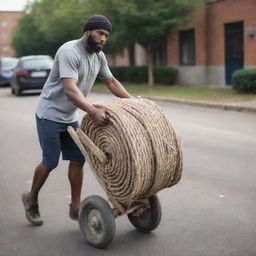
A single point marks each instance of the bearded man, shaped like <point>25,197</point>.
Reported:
<point>77,64</point>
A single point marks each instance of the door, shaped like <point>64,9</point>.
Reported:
<point>234,49</point>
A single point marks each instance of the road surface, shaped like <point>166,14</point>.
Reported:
<point>211,212</point>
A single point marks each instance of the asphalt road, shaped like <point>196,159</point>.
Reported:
<point>211,212</point>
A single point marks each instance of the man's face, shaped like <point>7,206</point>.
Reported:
<point>97,39</point>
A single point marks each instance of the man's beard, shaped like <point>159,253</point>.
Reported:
<point>93,45</point>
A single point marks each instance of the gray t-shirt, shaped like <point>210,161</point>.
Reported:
<point>71,61</point>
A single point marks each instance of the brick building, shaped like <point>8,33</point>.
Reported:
<point>8,20</point>
<point>221,39</point>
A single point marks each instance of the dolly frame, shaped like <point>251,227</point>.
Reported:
<point>83,142</point>
<point>96,217</point>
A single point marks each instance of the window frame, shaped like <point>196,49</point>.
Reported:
<point>184,37</point>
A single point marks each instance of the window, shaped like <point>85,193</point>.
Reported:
<point>3,35</point>
<point>3,23</point>
<point>187,47</point>
<point>5,47</point>
<point>160,54</point>
<point>34,63</point>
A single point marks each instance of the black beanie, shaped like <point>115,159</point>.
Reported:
<point>98,22</point>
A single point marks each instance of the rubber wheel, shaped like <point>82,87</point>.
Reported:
<point>97,222</point>
<point>17,92</point>
<point>150,219</point>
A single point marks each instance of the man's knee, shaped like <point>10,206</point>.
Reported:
<point>50,165</point>
<point>43,168</point>
<point>51,168</point>
<point>76,165</point>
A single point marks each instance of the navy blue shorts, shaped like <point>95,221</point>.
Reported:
<point>54,139</point>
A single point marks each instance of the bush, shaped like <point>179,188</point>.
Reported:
<point>130,74</point>
<point>244,80</point>
<point>165,75</point>
<point>134,74</point>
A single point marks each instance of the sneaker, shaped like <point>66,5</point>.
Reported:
<point>73,213</point>
<point>32,211</point>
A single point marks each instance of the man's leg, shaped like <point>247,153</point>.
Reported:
<point>49,138</point>
<point>30,199</point>
<point>75,175</point>
<point>72,153</point>
<point>40,176</point>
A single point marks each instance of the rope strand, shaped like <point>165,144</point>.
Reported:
<point>144,152</point>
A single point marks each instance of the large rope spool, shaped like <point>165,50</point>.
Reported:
<point>143,151</point>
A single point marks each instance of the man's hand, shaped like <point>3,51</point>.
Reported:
<point>101,116</point>
<point>78,99</point>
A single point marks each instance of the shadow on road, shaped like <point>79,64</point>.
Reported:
<point>123,242</point>
<point>7,93</point>
<point>25,94</point>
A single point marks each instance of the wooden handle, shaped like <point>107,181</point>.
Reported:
<point>81,140</point>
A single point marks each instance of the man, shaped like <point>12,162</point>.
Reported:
<point>76,66</point>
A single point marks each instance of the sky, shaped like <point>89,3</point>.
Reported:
<point>13,5</point>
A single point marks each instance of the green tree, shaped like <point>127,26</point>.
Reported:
<point>147,22</point>
<point>49,24</point>
<point>60,20</point>
<point>27,40</point>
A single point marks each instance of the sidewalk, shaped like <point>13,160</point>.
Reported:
<point>245,106</point>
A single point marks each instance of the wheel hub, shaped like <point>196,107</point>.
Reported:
<point>94,220</point>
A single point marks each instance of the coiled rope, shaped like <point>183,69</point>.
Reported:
<point>143,150</point>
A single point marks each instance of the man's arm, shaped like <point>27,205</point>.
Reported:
<point>78,99</point>
<point>116,88</point>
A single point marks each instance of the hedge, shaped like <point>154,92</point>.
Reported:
<point>134,74</point>
<point>244,80</point>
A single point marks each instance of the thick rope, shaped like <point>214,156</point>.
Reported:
<point>144,152</point>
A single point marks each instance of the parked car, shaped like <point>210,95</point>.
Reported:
<point>7,64</point>
<point>30,73</point>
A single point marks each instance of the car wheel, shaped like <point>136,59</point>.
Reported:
<point>17,92</point>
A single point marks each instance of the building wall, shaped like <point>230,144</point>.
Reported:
<point>122,59</point>
<point>226,12</point>
<point>8,20</point>
<point>119,59</point>
<point>210,41</point>
<point>140,55</point>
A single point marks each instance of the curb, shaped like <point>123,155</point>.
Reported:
<point>230,107</point>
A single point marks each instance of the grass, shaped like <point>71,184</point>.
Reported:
<point>209,94</point>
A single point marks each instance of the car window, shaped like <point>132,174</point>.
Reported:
<point>36,63</point>
<point>9,65</point>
